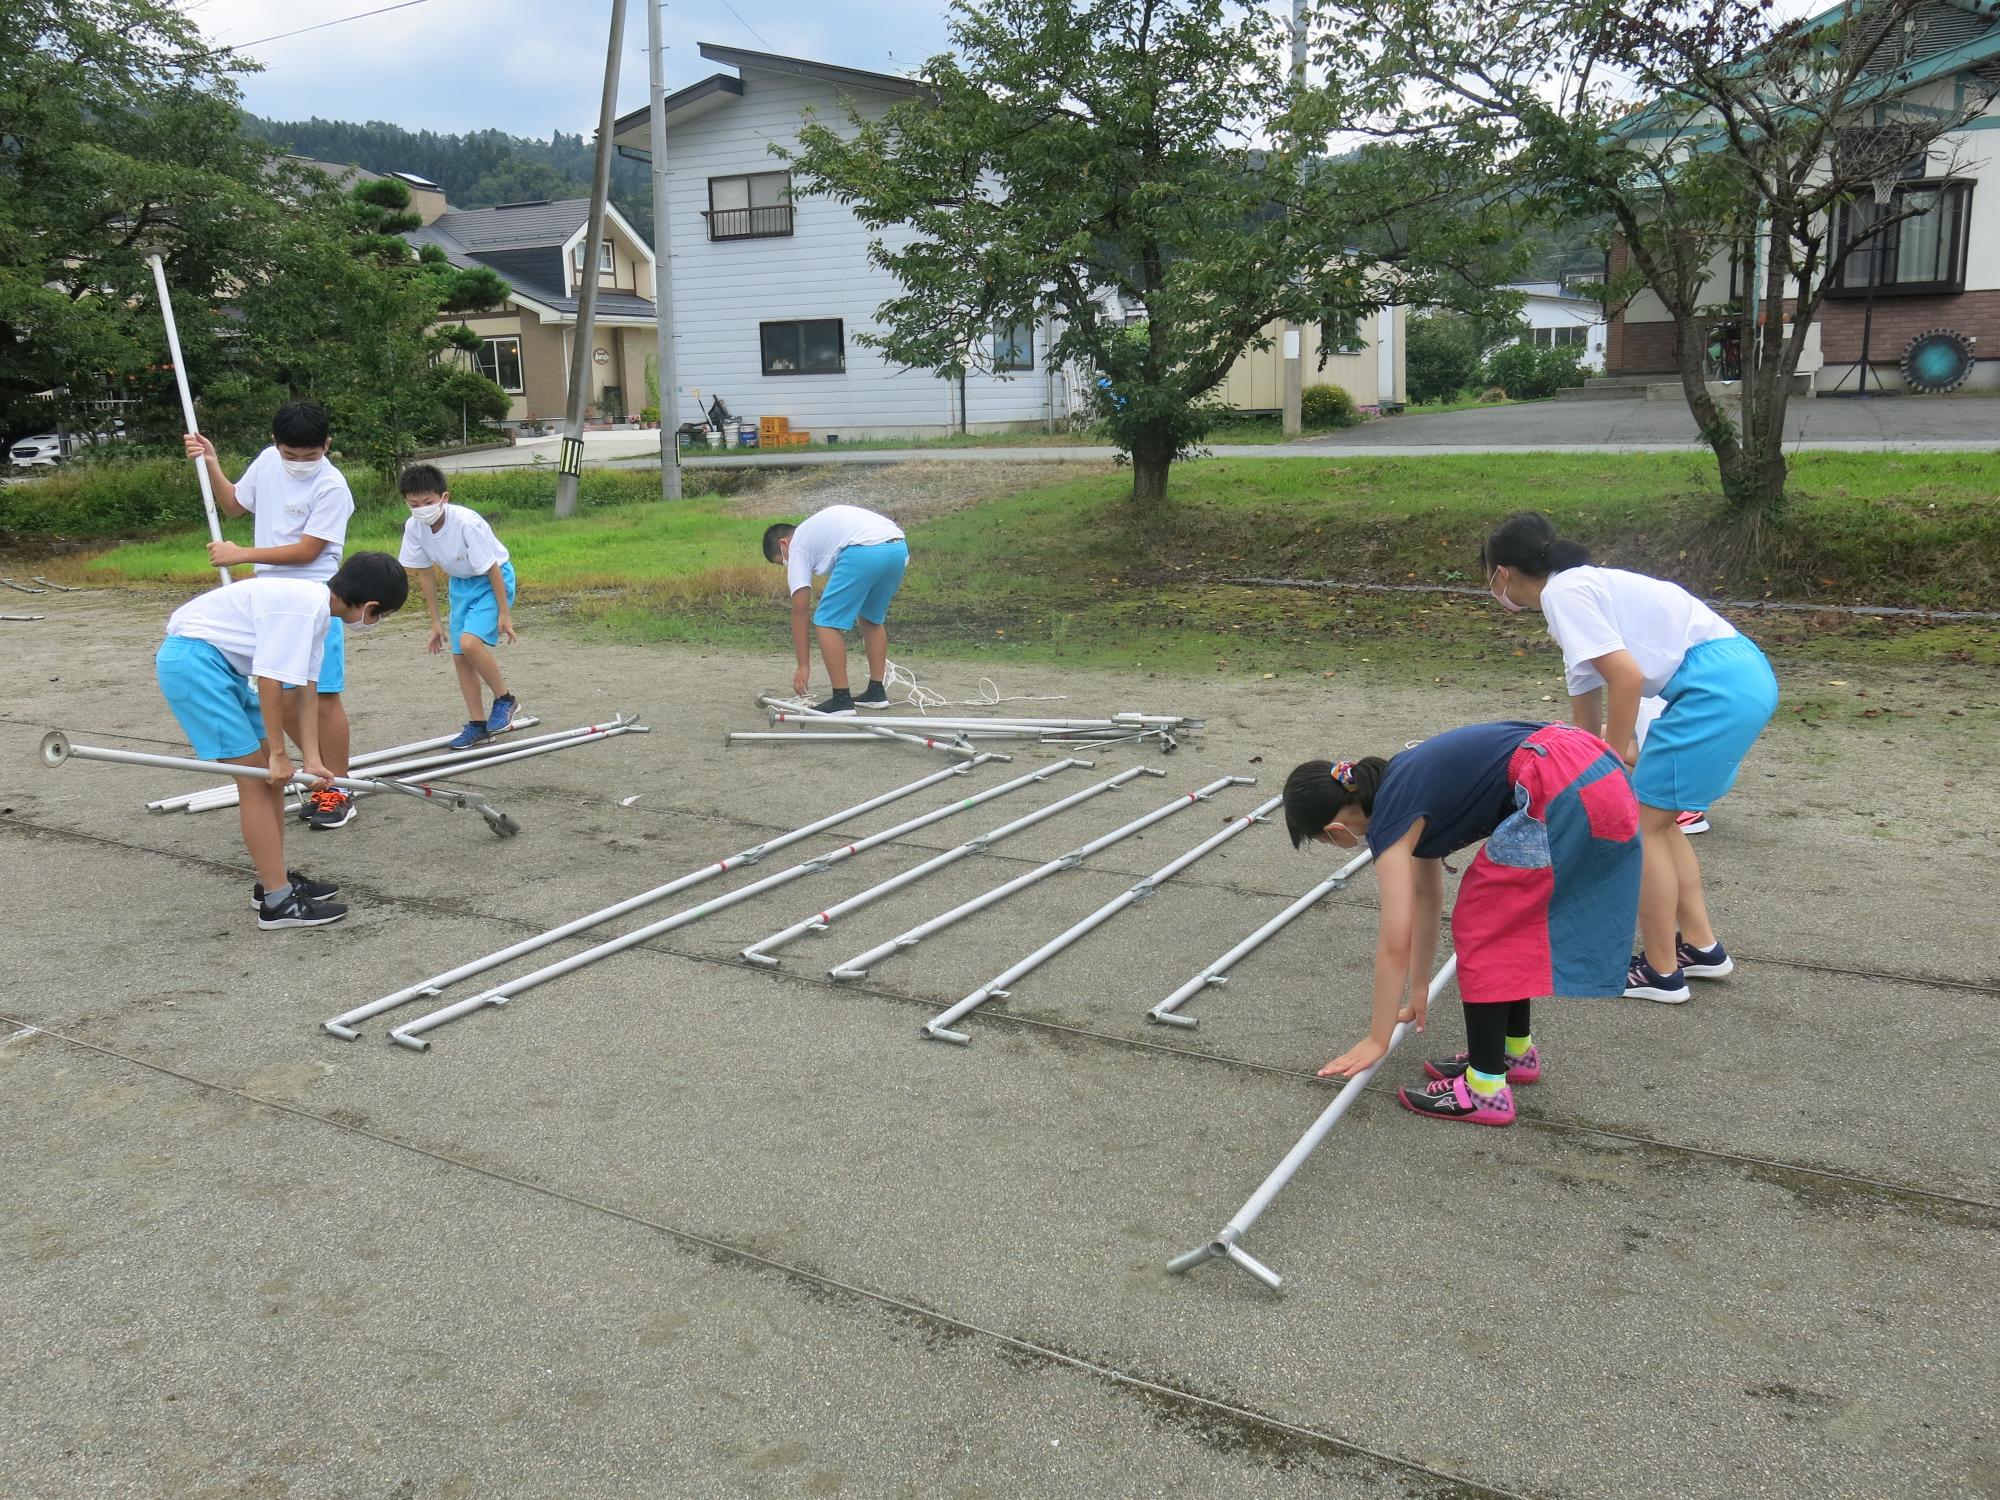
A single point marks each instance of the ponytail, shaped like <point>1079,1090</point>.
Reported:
<point>1317,792</point>
<point>1527,543</point>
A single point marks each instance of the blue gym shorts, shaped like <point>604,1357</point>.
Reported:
<point>1718,702</point>
<point>474,610</point>
<point>215,705</point>
<point>860,585</point>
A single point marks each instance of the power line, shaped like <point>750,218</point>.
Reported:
<point>339,21</point>
<point>747,26</point>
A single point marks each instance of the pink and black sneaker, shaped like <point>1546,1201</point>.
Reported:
<point>1527,1068</point>
<point>1453,1099</point>
<point>1691,822</point>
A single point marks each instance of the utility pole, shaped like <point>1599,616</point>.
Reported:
<point>569,470</point>
<point>663,266</point>
<point>1295,335</point>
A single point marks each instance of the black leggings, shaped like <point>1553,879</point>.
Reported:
<point>1487,1028</point>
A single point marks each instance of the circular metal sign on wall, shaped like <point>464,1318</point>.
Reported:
<point>1936,361</point>
<point>600,356</point>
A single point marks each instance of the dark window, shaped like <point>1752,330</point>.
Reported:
<point>1013,346</point>
<point>499,360</point>
<point>753,207</point>
<point>816,346</point>
<point>1557,338</point>
<point>1923,254</point>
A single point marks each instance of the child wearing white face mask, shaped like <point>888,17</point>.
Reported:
<point>480,578</point>
<point>300,505</point>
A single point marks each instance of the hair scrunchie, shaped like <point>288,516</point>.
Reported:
<point>1343,772</point>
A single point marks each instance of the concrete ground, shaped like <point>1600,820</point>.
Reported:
<point>672,1226</point>
<point>1875,424</point>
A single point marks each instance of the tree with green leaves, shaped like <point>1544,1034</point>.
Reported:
<point>1150,172</point>
<point>1719,141</point>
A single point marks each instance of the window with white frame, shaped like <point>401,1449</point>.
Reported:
<point>1557,338</point>
<point>499,360</point>
<point>1013,346</point>
<point>605,263</point>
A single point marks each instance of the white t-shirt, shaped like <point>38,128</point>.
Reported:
<point>463,544</point>
<point>264,627</point>
<point>1595,611</point>
<point>287,510</point>
<point>821,535</point>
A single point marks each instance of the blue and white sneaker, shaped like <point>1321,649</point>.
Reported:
<point>1702,963</point>
<point>504,709</point>
<point>475,730</point>
<point>1644,982</point>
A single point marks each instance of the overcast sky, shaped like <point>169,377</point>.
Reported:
<point>532,66</point>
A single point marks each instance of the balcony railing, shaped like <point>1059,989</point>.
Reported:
<point>750,223</point>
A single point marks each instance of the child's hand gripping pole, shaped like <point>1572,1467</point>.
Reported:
<point>187,399</point>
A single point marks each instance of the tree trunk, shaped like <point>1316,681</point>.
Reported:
<point>1151,457</point>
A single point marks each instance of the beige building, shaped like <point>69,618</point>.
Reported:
<point>1371,372</point>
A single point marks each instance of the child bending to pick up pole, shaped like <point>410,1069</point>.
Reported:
<point>1545,908</point>
<point>479,578</point>
<point>1624,637</point>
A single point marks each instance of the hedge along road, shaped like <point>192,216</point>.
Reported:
<point>679,1227</point>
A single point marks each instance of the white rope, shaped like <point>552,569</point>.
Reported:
<point>923,698</point>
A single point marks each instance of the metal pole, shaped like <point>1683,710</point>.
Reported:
<point>784,713</point>
<point>1225,1245</point>
<point>569,468</point>
<point>410,1033</point>
<point>880,732</point>
<point>21,588</point>
<point>56,748</point>
<point>1292,416</point>
<point>187,398</point>
<point>998,988</point>
<point>213,798</point>
<point>370,758</point>
<point>663,266</point>
<point>857,967</point>
<point>760,952</point>
<point>343,1025</point>
<point>1217,973</point>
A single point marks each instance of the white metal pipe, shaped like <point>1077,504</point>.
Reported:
<point>857,967</point>
<point>788,715</point>
<point>799,736</point>
<point>343,1025</point>
<point>1226,1245</point>
<point>471,758</point>
<point>760,952</point>
<point>410,1033</point>
<point>355,763</point>
<point>882,732</point>
<point>187,399</point>
<point>939,1026</point>
<point>1217,973</point>
<point>57,748</point>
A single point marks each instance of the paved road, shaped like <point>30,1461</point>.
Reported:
<point>673,1227</point>
<point>1885,424</point>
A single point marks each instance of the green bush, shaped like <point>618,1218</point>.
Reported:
<point>1327,406</point>
<point>1443,356</point>
<point>1530,372</point>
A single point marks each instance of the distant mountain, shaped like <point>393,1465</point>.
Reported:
<point>476,170</point>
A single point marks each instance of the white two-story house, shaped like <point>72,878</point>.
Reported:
<point>769,293</point>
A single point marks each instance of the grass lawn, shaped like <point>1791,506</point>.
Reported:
<point>1068,572</point>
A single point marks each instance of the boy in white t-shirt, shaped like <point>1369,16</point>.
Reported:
<point>479,576</point>
<point>301,506</point>
<point>863,556</point>
<point>228,657</point>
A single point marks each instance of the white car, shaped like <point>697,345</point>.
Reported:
<point>43,450</point>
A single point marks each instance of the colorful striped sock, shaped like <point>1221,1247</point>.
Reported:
<point>1486,1085</point>
<point>1517,1046</point>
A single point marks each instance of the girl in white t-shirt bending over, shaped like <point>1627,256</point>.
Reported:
<point>1625,637</point>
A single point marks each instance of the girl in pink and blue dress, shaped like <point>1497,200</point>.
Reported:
<point>1545,908</point>
<point>1625,637</point>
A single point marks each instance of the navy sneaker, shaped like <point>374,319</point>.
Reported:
<point>842,702</point>
<point>298,910</point>
<point>316,890</point>
<point>1644,982</point>
<point>475,730</point>
<point>504,709</point>
<point>1702,963</point>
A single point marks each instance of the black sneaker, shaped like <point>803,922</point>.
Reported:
<point>877,696</point>
<point>298,910</point>
<point>328,808</point>
<point>316,890</point>
<point>840,703</point>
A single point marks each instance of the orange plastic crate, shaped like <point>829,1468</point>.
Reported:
<point>770,427</point>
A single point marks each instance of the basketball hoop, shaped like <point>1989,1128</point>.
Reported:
<point>1878,155</point>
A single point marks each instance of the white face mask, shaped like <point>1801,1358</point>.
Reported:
<point>1500,594</point>
<point>428,515</point>
<point>302,468</point>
